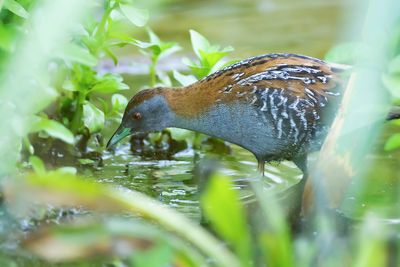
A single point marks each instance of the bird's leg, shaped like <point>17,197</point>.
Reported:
<point>261,166</point>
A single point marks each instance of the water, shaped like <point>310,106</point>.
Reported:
<point>175,182</point>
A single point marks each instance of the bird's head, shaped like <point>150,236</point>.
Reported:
<point>147,111</point>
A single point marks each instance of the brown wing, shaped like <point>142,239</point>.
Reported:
<point>295,75</point>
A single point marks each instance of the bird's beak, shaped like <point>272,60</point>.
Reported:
<point>119,134</point>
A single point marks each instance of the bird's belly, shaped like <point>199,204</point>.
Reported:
<point>248,128</point>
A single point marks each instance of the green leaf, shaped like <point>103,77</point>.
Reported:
<point>198,70</point>
<point>214,57</point>
<point>157,256</point>
<point>199,43</point>
<point>184,79</point>
<point>393,142</point>
<point>108,84</point>
<point>37,165</point>
<point>28,145</point>
<point>346,53</point>
<point>394,65</point>
<point>7,40</point>
<point>75,53</point>
<point>68,190</point>
<point>118,103</point>
<point>137,16</point>
<point>69,86</point>
<point>86,161</point>
<point>209,55</point>
<point>158,48</point>
<point>93,118</point>
<point>16,8</point>
<point>154,39</point>
<point>219,202</point>
<point>392,83</point>
<point>164,79</point>
<point>53,128</point>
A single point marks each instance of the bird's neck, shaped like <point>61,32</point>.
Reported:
<point>191,109</point>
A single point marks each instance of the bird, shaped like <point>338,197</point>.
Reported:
<point>277,106</point>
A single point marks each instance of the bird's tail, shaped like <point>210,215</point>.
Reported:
<point>394,113</point>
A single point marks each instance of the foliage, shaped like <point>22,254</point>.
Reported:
<point>209,59</point>
<point>124,226</point>
<point>67,190</point>
<point>156,49</point>
<point>348,53</point>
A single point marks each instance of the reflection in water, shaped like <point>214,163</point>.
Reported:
<point>173,181</point>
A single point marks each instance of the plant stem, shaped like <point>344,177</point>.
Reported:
<point>77,118</point>
<point>153,71</point>
<point>102,25</point>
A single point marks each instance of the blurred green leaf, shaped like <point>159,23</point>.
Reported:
<point>86,161</point>
<point>181,134</point>
<point>108,84</point>
<point>37,165</point>
<point>7,37</point>
<point>372,249</point>
<point>75,53</point>
<point>274,239</point>
<point>158,48</point>
<point>184,79</point>
<point>212,58</point>
<point>219,202</point>
<point>53,128</point>
<point>69,86</point>
<point>67,190</point>
<point>137,16</point>
<point>209,56</point>
<point>198,70</point>
<point>199,43</point>
<point>118,102</point>
<point>93,118</point>
<point>160,255</point>
<point>392,83</point>
<point>28,145</point>
<point>346,53</point>
<point>394,65</point>
<point>164,78</point>
<point>16,8</point>
<point>393,142</point>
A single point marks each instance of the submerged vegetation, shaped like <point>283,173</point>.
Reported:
<point>56,106</point>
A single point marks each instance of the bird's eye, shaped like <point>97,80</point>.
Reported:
<point>137,115</point>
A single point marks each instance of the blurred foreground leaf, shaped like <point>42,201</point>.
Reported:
<point>220,202</point>
<point>184,79</point>
<point>275,238</point>
<point>66,190</point>
<point>393,142</point>
<point>37,165</point>
<point>135,15</point>
<point>78,54</point>
<point>371,249</point>
<point>16,8</point>
<point>84,240</point>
